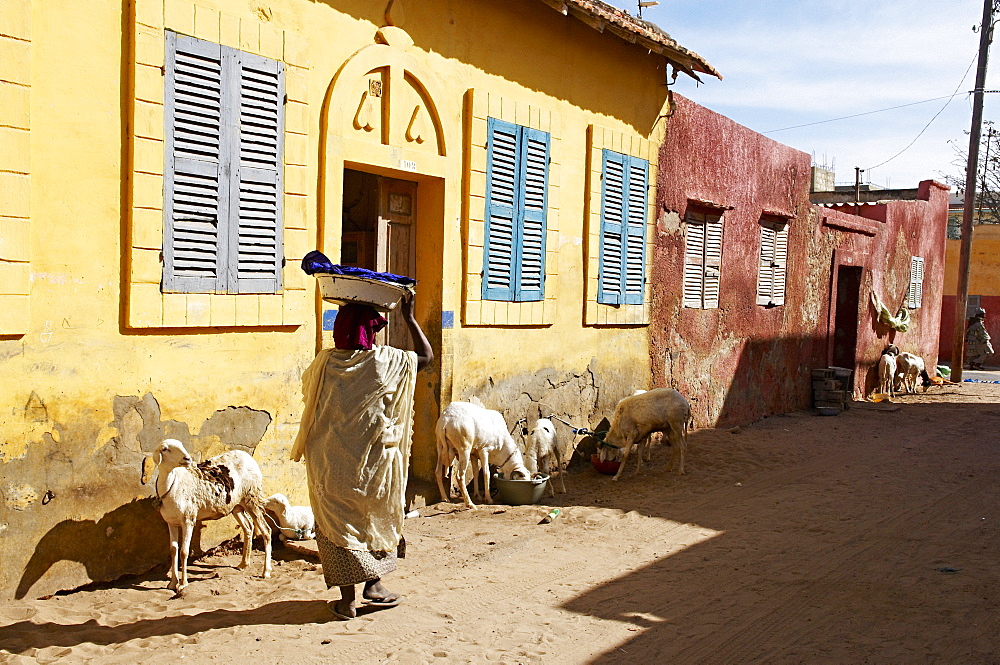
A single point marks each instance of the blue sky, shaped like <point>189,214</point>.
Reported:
<point>793,62</point>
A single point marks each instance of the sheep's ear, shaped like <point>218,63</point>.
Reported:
<point>148,464</point>
<point>157,456</point>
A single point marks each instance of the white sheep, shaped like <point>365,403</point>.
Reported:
<point>887,374</point>
<point>467,431</point>
<point>226,484</point>
<point>542,449</point>
<point>294,522</point>
<point>658,410</point>
<point>908,367</point>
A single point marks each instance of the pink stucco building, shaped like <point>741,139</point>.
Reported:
<point>755,284</point>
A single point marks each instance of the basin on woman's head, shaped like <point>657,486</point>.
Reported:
<point>347,289</point>
<point>521,492</point>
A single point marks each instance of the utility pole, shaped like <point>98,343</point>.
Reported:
<point>961,299</point>
<point>990,134</point>
<point>857,189</point>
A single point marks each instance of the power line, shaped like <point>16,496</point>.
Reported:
<point>856,115</point>
<point>940,111</point>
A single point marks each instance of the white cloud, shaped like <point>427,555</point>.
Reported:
<point>788,63</point>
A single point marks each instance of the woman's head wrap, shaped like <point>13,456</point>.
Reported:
<point>355,327</point>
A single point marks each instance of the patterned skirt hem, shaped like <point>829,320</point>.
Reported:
<point>344,567</point>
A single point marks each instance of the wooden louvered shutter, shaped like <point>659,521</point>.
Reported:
<point>916,295</point>
<point>780,266</point>
<point>256,236</point>
<point>635,231</point>
<point>713,263</point>
<point>610,276</point>
<point>195,186</point>
<point>530,268</point>
<point>765,268</point>
<point>771,269</point>
<point>502,198</point>
<point>694,260</point>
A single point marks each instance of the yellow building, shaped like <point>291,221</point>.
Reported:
<point>984,262</point>
<point>165,164</point>
<point>984,285</point>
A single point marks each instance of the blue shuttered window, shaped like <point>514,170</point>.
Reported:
<point>624,186</point>
<point>223,190</point>
<point>516,202</point>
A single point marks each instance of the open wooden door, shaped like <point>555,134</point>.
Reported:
<point>395,248</point>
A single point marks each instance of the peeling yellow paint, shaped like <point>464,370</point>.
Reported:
<point>103,438</point>
<point>20,435</point>
<point>19,496</point>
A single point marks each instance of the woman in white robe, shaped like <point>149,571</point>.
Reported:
<point>355,436</point>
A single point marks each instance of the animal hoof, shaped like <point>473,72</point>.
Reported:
<point>242,564</point>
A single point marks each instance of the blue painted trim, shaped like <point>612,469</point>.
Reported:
<point>631,297</point>
<point>498,293</point>
<point>329,316</point>
<point>604,296</point>
<point>521,292</point>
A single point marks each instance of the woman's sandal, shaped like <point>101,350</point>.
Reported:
<point>337,615</point>
<point>383,602</point>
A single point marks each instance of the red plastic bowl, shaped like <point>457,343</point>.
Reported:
<point>608,468</point>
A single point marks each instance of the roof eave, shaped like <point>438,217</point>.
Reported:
<point>601,16</point>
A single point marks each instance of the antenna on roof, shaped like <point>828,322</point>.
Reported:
<point>646,3</point>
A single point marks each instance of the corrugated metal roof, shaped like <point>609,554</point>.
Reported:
<point>851,204</point>
<point>601,16</point>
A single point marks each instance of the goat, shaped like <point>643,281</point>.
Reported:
<point>890,350</point>
<point>226,484</point>
<point>542,449</point>
<point>467,431</point>
<point>887,374</point>
<point>295,520</point>
<point>658,410</point>
<point>908,368</point>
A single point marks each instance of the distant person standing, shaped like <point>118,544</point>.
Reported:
<point>977,340</point>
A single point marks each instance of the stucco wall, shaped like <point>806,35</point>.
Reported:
<point>984,281</point>
<point>992,306</point>
<point>106,365</point>
<point>984,262</point>
<point>901,229</point>
<point>743,361</point>
<point>739,362</point>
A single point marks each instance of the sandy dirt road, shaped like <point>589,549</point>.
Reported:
<point>871,537</point>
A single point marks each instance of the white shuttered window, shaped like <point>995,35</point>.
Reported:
<point>773,266</point>
<point>916,296</point>
<point>223,191</point>
<point>702,259</point>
